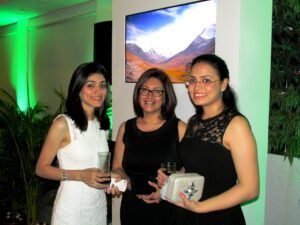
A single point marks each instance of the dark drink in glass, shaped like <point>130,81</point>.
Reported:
<point>169,167</point>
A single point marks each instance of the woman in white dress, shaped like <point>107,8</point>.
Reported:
<point>75,138</point>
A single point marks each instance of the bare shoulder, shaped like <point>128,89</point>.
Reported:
<point>60,124</point>
<point>58,134</point>
<point>181,129</point>
<point>122,127</point>
<point>121,131</point>
<point>59,130</point>
<point>238,130</point>
<point>239,123</point>
<point>181,124</point>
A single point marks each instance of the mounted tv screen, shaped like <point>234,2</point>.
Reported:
<point>169,38</point>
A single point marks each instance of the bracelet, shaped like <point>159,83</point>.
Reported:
<point>64,176</point>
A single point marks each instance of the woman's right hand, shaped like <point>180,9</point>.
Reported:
<point>161,177</point>
<point>94,178</point>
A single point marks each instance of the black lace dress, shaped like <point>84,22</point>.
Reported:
<point>144,152</point>
<point>201,151</point>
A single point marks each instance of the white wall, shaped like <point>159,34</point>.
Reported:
<point>243,39</point>
<point>123,94</point>
<point>283,195</point>
<point>227,46</point>
<point>254,86</point>
<point>56,50</point>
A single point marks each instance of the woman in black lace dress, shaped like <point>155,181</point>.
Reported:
<point>219,145</point>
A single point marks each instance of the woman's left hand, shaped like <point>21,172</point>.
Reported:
<point>154,197</point>
<point>114,191</point>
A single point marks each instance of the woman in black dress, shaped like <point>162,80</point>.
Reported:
<point>143,143</point>
<point>219,145</point>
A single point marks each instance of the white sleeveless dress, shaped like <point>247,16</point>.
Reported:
<point>76,203</point>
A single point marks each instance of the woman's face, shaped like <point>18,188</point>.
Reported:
<point>151,96</point>
<point>204,86</point>
<point>93,92</point>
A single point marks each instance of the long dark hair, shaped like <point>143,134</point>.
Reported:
<point>168,108</point>
<point>73,103</point>
<point>220,66</point>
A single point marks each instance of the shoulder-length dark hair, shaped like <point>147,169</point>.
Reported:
<point>168,107</point>
<point>220,66</point>
<point>73,102</point>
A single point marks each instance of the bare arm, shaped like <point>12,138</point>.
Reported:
<point>57,137</point>
<point>239,139</point>
<point>118,155</point>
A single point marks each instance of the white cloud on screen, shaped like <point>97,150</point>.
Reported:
<point>176,36</point>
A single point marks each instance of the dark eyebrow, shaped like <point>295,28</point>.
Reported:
<point>92,81</point>
<point>206,75</point>
<point>156,88</point>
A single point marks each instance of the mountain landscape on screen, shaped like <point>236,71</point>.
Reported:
<point>139,60</point>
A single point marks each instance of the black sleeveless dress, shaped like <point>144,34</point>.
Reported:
<point>201,151</point>
<point>144,152</point>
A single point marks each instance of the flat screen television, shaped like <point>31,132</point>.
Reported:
<point>169,38</point>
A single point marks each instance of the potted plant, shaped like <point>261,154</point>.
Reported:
<point>21,138</point>
<point>284,132</point>
<point>22,134</point>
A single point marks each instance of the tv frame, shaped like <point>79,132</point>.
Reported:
<point>139,58</point>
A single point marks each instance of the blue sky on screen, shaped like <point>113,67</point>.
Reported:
<point>172,29</point>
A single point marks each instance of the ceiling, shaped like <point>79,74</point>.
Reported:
<point>12,11</point>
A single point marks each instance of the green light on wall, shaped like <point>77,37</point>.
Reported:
<point>20,80</point>
<point>10,16</point>
<point>110,112</point>
<point>7,17</point>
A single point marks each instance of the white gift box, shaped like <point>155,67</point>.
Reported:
<point>191,184</point>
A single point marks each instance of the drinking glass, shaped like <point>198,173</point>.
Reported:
<point>104,163</point>
<point>168,167</point>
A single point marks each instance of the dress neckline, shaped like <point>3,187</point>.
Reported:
<point>225,109</point>
<point>152,131</point>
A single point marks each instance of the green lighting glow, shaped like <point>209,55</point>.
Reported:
<point>30,81</point>
<point>20,80</point>
<point>10,16</point>
<point>254,86</point>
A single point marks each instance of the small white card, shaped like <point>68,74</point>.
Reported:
<point>121,184</point>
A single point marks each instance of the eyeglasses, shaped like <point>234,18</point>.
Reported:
<point>205,81</point>
<point>155,92</point>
